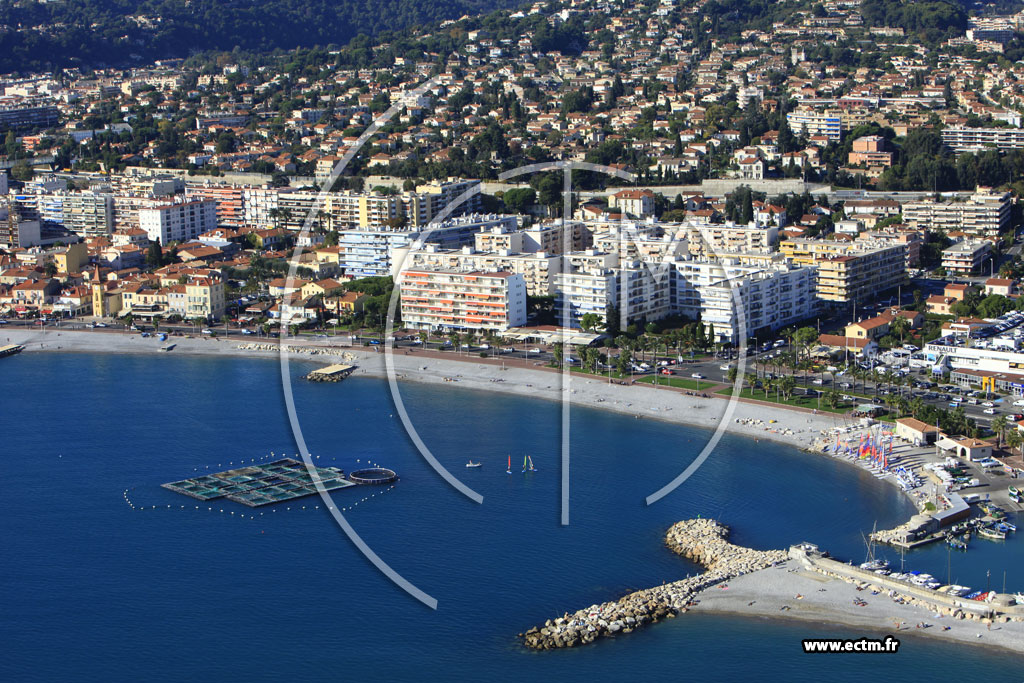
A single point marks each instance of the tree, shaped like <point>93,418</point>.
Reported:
<point>624,361</point>
<point>1014,439</point>
<point>900,326</point>
<point>999,428</point>
<point>611,316</point>
<point>559,354</point>
<point>590,322</point>
<point>154,254</point>
<point>805,337</point>
<point>50,269</point>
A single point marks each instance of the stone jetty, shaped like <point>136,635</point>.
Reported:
<point>307,350</point>
<point>700,540</point>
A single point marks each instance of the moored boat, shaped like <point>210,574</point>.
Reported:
<point>992,533</point>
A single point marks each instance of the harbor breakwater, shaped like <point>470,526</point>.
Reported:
<point>700,540</point>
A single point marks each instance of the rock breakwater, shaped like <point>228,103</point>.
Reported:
<point>701,540</point>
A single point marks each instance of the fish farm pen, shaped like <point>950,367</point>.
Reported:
<point>377,476</point>
<point>275,482</point>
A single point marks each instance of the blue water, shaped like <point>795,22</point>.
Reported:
<point>94,590</point>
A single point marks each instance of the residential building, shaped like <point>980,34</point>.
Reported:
<point>454,301</point>
<point>849,271</point>
<point>178,222</point>
<point>966,257</point>
<point>985,213</point>
<point>808,122</point>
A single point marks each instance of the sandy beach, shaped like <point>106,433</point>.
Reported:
<point>772,593</point>
<point>792,427</point>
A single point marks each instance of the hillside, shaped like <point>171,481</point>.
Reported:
<point>92,33</point>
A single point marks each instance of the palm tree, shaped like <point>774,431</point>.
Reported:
<point>999,427</point>
<point>900,326</point>
<point>1014,439</point>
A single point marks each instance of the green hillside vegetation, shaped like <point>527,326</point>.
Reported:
<point>96,33</point>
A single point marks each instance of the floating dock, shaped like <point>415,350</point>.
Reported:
<point>332,373</point>
<point>11,349</point>
<point>256,485</point>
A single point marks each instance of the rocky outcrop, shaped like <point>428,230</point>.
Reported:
<point>701,540</point>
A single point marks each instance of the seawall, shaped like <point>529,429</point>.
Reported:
<point>701,540</point>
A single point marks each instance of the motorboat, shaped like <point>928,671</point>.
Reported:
<point>473,464</point>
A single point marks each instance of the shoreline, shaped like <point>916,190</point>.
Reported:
<point>793,427</point>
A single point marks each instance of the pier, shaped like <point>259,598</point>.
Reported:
<point>701,540</point>
<point>10,350</point>
<point>332,373</point>
<point>274,482</point>
<point>765,573</point>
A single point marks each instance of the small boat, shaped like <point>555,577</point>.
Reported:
<point>992,533</point>
<point>1015,494</point>
<point>1005,527</point>
<point>169,347</point>
<point>956,543</point>
<point>473,464</point>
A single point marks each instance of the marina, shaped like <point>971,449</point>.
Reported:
<point>275,482</point>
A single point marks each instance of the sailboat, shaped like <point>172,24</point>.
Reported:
<point>530,460</point>
<point>525,457</point>
<point>509,470</point>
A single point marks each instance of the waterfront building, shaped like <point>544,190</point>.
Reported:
<point>455,301</point>
<point>538,269</point>
<point>723,293</point>
<point>849,271</point>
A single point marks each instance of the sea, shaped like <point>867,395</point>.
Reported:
<point>108,577</point>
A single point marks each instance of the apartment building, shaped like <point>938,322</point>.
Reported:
<point>15,115</point>
<point>178,222</point>
<point>732,298</point>
<point>547,238</point>
<point>457,301</point>
<point>709,240</point>
<point>230,201</point>
<point>849,271</point>
<point>967,257</point>
<point>964,139</point>
<point>808,122</point>
<point>985,213</point>
<point>538,269</point>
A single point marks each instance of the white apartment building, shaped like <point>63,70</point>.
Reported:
<point>453,301</point>
<point>808,122</point>
<point>966,257</point>
<point>178,222</point>
<point>964,139</point>
<point>984,214</point>
<point>729,296</point>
